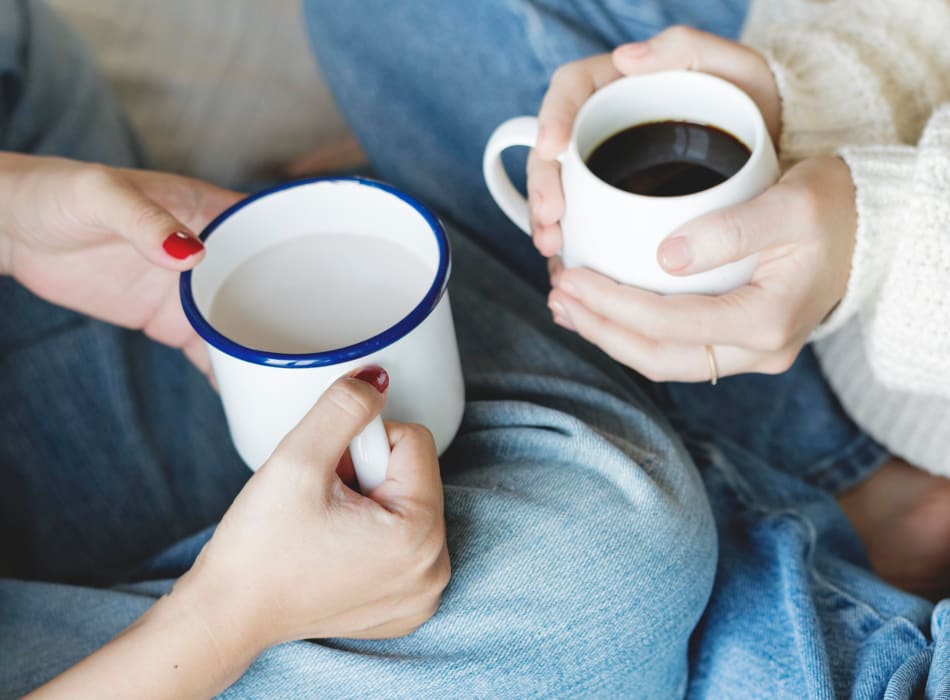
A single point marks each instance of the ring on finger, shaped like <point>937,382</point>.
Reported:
<point>713,365</point>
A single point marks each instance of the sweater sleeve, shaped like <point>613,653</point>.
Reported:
<point>900,279</point>
<point>853,72</point>
<point>866,79</point>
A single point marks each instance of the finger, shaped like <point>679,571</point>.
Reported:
<point>570,87</point>
<point>116,205</point>
<point>546,200</point>
<point>691,49</point>
<point>192,201</point>
<point>555,267</point>
<point>316,444</point>
<point>413,483</point>
<point>685,48</point>
<point>659,361</point>
<point>544,189</point>
<point>744,317</point>
<point>731,234</point>
<point>548,239</point>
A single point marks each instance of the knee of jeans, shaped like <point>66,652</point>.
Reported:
<point>632,570</point>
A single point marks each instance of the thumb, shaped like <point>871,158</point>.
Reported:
<point>158,236</point>
<point>727,235</point>
<point>318,441</point>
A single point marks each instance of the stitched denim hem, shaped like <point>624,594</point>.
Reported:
<point>853,464</point>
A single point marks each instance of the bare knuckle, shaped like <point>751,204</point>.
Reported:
<point>565,74</point>
<point>350,399</point>
<point>775,336</point>
<point>732,235</point>
<point>807,205</point>
<point>419,434</point>
<point>679,34</point>
<point>92,180</point>
<point>778,363</point>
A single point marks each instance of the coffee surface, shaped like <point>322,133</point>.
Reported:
<point>668,159</point>
<point>319,293</point>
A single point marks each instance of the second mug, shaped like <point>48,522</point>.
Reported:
<point>616,231</point>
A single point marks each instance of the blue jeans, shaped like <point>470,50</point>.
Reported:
<point>794,611</point>
<point>582,543</point>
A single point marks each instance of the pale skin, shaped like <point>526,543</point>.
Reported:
<point>303,554</point>
<point>803,229</point>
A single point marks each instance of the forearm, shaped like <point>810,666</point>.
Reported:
<point>188,645</point>
<point>17,172</point>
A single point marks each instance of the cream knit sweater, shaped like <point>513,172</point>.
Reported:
<point>870,80</point>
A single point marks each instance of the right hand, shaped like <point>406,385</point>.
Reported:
<point>573,83</point>
<point>107,242</point>
<point>301,555</point>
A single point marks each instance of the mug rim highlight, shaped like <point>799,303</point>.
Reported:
<point>603,94</point>
<point>365,347</point>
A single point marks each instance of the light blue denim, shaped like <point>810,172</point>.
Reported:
<point>794,612</point>
<point>582,543</point>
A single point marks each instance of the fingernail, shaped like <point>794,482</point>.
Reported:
<point>561,316</point>
<point>568,288</point>
<point>675,254</point>
<point>181,245</point>
<point>374,375</point>
<point>635,50</point>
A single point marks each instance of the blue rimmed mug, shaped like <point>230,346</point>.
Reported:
<point>265,394</point>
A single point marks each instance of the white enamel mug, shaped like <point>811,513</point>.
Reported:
<point>615,232</point>
<point>265,394</point>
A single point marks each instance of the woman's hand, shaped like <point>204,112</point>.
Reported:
<point>106,242</point>
<point>311,557</point>
<point>803,229</point>
<point>573,83</point>
<point>298,555</point>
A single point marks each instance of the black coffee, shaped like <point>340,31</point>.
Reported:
<point>668,159</point>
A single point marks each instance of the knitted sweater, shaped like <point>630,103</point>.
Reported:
<point>870,80</point>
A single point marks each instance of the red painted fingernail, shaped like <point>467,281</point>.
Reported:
<point>181,245</point>
<point>374,375</point>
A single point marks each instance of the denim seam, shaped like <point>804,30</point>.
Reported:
<point>839,472</point>
<point>750,504</point>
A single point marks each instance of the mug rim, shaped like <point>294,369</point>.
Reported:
<point>336,356</point>
<point>761,133</point>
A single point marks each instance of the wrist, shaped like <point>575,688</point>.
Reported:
<point>219,610</point>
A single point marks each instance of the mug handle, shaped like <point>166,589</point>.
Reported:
<point>520,131</point>
<point>370,453</point>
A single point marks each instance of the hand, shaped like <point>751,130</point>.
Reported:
<point>301,555</point>
<point>107,242</point>
<point>803,229</point>
<point>298,555</point>
<point>573,83</point>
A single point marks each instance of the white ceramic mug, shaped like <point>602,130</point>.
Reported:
<point>265,394</point>
<point>616,232</point>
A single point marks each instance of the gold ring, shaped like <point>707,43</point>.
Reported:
<point>713,367</point>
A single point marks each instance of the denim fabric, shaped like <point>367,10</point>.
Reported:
<point>794,612</point>
<point>424,83</point>
<point>582,543</point>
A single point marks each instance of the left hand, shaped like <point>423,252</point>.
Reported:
<point>107,242</point>
<point>803,229</point>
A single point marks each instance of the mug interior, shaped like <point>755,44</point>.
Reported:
<point>667,96</point>
<point>319,206</point>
